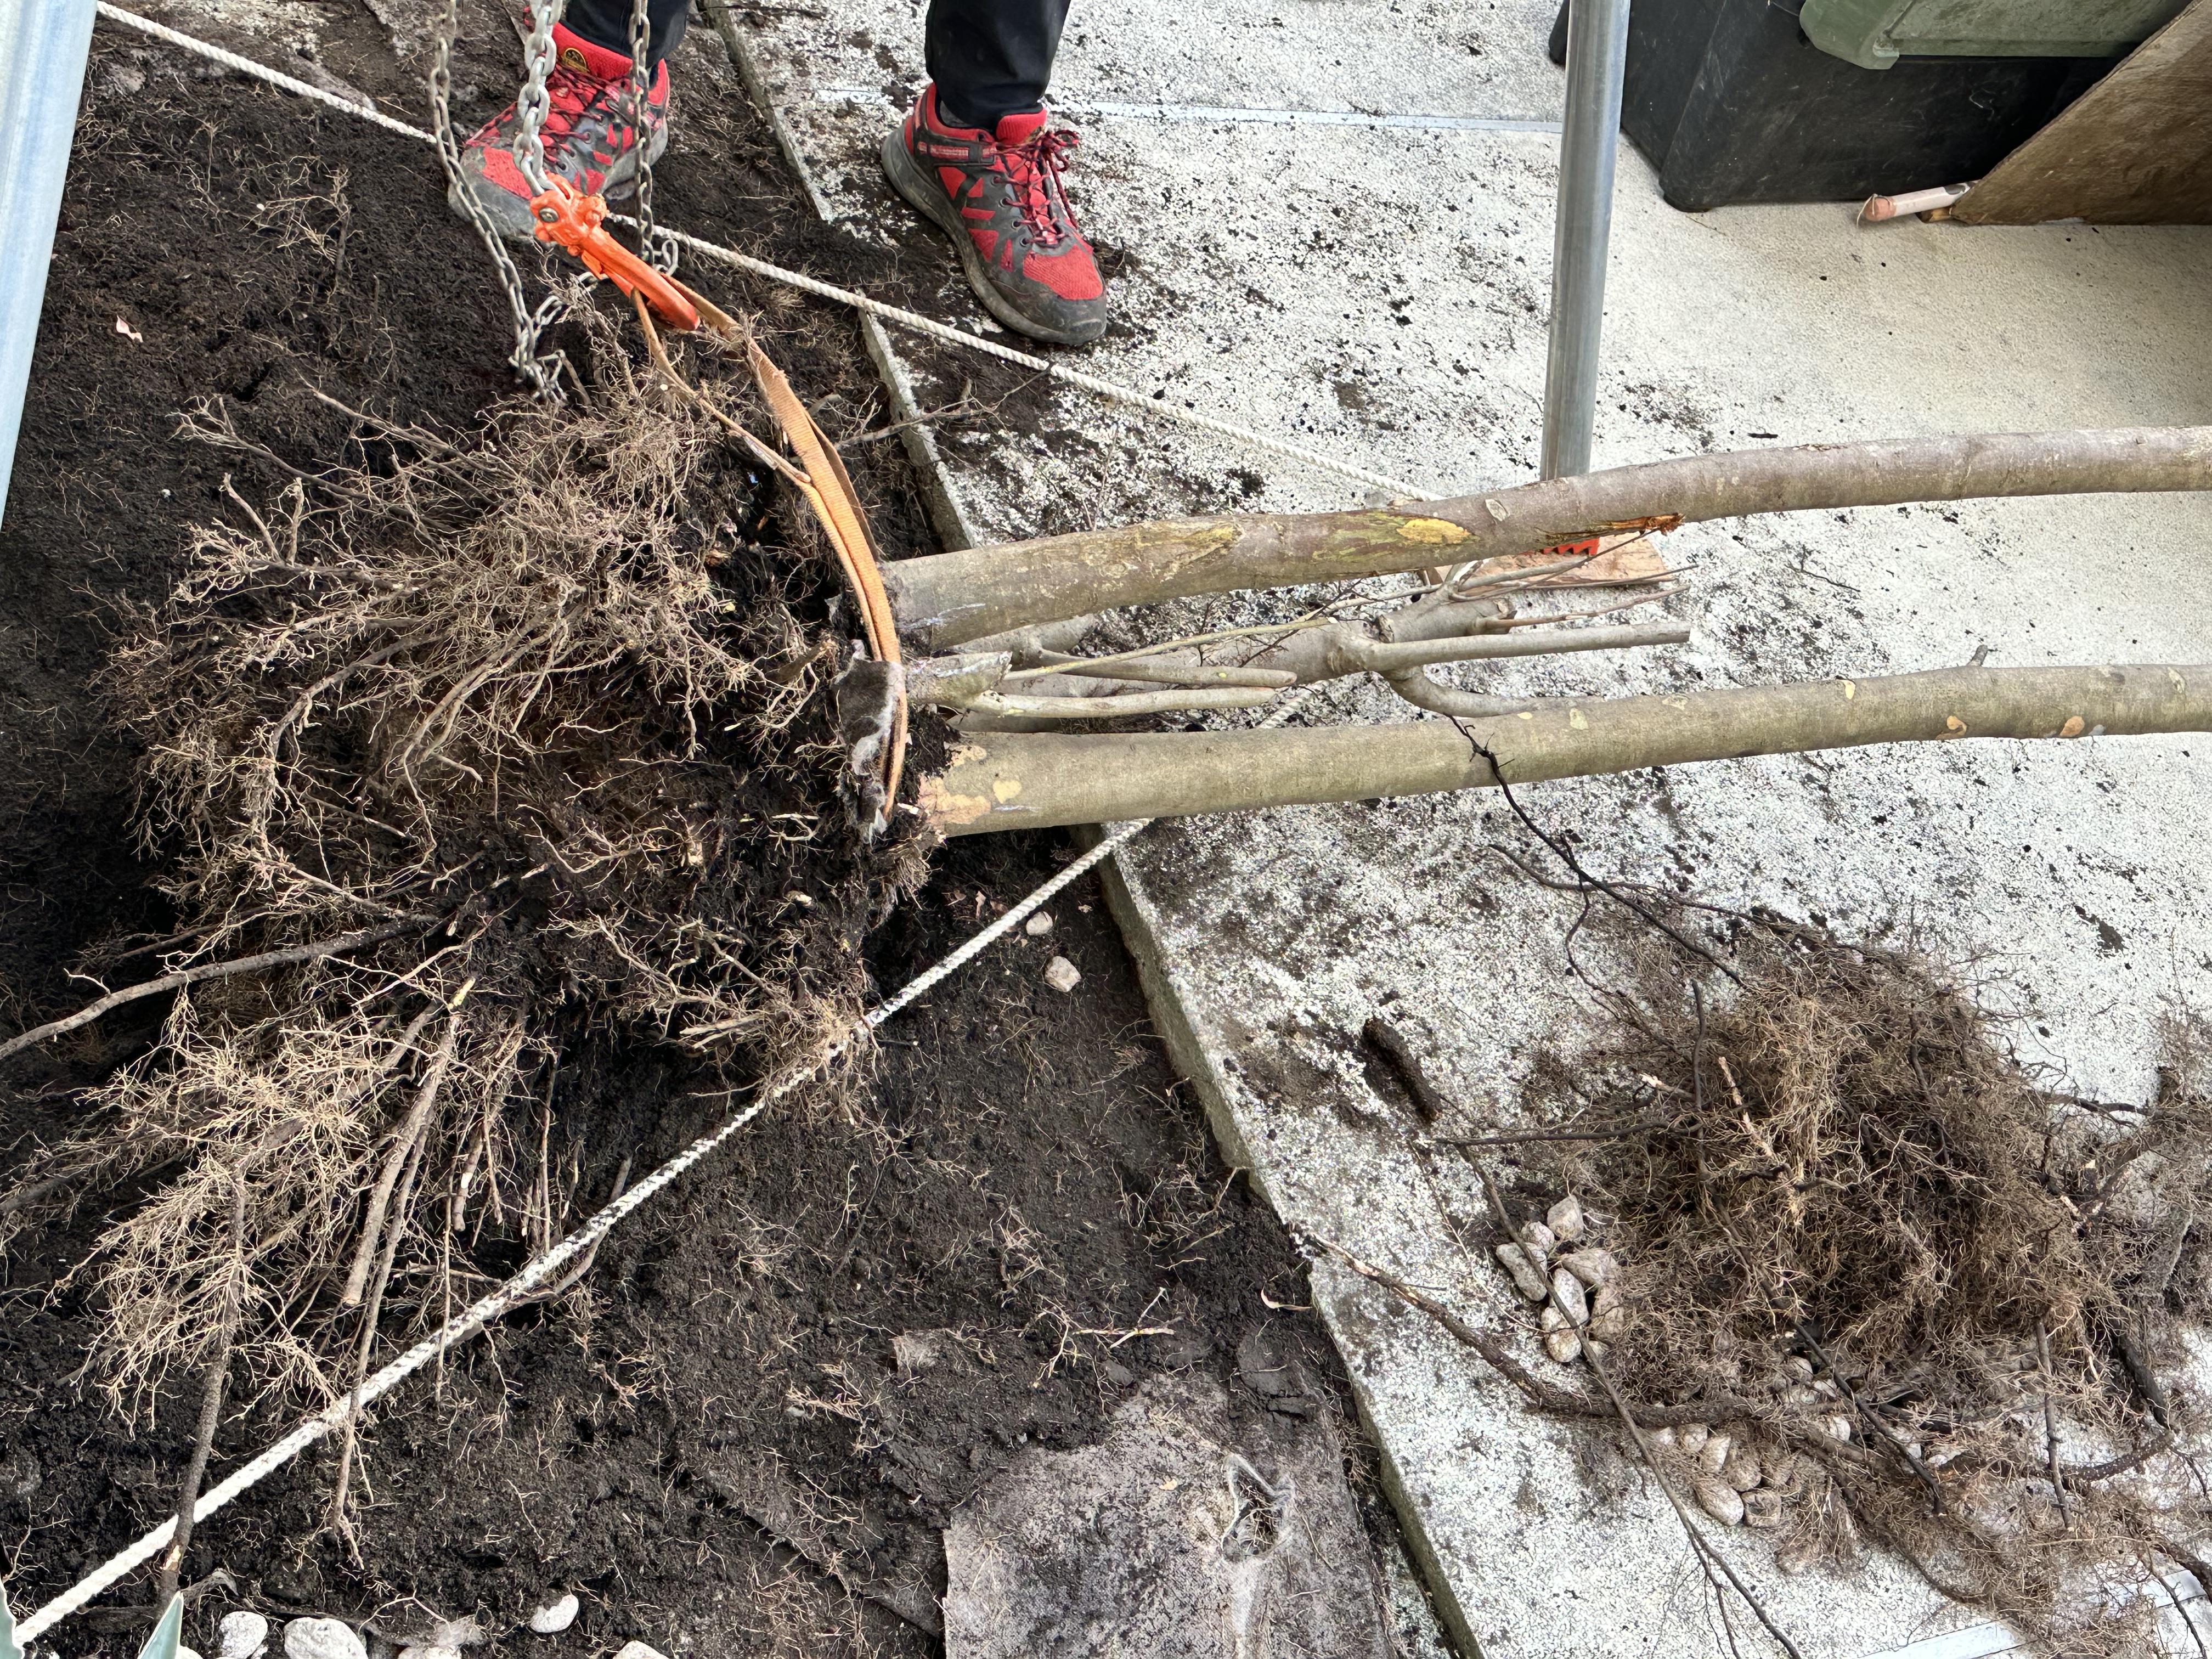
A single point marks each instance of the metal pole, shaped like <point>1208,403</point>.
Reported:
<point>43,47</point>
<point>1597,62</point>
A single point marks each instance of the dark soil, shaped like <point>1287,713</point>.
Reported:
<point>714,1441</point>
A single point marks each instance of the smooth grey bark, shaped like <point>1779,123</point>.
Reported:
<point>998,781</point>
<point>949,599</point>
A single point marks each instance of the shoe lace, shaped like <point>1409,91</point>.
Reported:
<point>575,94</point>
<point>1033,167</point>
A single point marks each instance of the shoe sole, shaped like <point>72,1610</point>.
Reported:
<point>921,194</point>
<point>619,185</point>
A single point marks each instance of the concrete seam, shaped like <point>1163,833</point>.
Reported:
<point>1133,912</point>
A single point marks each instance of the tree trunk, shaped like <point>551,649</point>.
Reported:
<point>1023,780</point>
<point>951,598</point>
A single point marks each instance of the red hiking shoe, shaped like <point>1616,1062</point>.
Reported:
<point>998,196</point>
<point>587,137</point>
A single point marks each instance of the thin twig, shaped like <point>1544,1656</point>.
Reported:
<point>211,1388</point>
<point>1565,855</point>
<point>2051,1428</point>
<point>336,1517</point>
<point>2180,1606</point>
<point>404,1142</point>
<point>153,988</point>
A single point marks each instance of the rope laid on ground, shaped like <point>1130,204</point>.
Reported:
<point>546,1267</point>
<point>1112,392</point>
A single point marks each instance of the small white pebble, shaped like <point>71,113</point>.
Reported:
<point>1038,925</point>
<point>1839,1427</point>
<point>434,1651</point>
<point>1526,1278</point>
<point>639,1650</point>
<point>1719,1500</point>
<point>242,1636</point>
<point>1714,1453</point>
<point>1567,1292</point>
<point>322,1638</point>
<point>1563,1346</point>
<point>1661,1437</point>
<point>1564,1219</point>
<point>1593,1267</point>
<point>1060,974</point>
<point>552,1620</point>
<point>1691,1437</point>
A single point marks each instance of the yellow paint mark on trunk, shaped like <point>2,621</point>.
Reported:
<point>1006,788</point>
<point>2073,728</point>
<point>1851,689</point>
<point>1431,532</point>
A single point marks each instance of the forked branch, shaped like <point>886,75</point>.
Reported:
<point>951,598</point>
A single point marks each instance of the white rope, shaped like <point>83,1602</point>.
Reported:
<point>477,1318</point>
<point>262,71</point>
<point>913,321</point>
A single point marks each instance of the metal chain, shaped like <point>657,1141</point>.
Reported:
<point>533,102</point>
<point>659,251</point>
<point>540,369</point>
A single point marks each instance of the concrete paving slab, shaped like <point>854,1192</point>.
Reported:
<point>1381,291</point>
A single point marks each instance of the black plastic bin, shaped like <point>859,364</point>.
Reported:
<point>1731,103</point>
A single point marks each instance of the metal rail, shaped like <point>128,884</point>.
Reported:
<point>1597,61</point>
<point>43,47</point>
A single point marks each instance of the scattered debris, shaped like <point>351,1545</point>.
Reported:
<point>1060,974</point>
<point>1038,925</point>
<point>125,329</point>
<point>638,1651</point>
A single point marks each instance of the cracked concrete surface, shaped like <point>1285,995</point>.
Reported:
<point>1381,291</point>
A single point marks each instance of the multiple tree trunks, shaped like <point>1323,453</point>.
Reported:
<point>950,598</point>
<point>996,780</point>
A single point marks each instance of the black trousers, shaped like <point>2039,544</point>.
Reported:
<point>988,57</point>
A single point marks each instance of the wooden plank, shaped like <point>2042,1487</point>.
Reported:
<point>2134,150</point>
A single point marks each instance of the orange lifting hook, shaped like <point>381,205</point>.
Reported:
<point>572,219</point>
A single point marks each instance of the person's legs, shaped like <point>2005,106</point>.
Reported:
<point>991,57</point>
<point>589,135</point>
<point>606,23</point>
<point>977,156</point>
